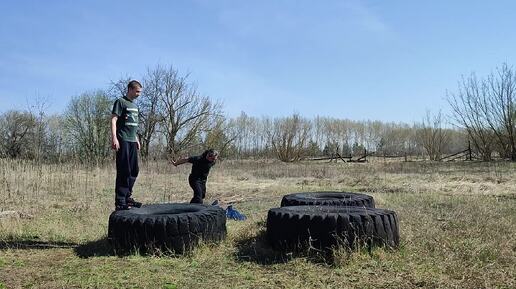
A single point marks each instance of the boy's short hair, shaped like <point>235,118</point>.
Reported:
<point>133,84</point>
<point>210,152</point>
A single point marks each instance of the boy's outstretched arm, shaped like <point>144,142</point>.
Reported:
<point>179,161</point>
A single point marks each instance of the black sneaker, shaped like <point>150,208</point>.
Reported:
<point>133,203</point>
<point>122,207</point>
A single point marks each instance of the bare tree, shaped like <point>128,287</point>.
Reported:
<point>118,88</point>
<point>486,109</point>
<point>336,135</point>
<point>148,104</point>
<point>289,136</point>
<point>468,105</point>
<point>55,135</point>
<point>16,133</point>
<point>432,136</point>
<point>220,135</point>
<point>87,119</point>
<point>250,137</point>
<point>499,109</point>
<point>389,138</point>
<point>240,127</point>
<point>37,107</point>
<point>183,112</point>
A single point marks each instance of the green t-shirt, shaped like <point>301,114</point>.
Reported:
<point>127,123</point>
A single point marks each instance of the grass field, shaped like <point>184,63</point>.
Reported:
<point>457,227</point>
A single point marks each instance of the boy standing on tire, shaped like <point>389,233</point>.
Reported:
<point>124,125</point>
<point>201,166</point>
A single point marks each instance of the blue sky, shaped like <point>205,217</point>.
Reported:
<point>361,60</point>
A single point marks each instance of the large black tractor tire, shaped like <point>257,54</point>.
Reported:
<point>173,228</point>
<point>324,227</point>
<point>328,199</point>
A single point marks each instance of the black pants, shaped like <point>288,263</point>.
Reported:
<point>199,189</point>
<point>126,171</point>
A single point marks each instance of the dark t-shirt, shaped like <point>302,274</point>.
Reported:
<point>200,167</point>
<point>127,122</point>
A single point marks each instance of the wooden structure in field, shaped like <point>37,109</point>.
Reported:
<point>466,154</point>
<point>347,159</point>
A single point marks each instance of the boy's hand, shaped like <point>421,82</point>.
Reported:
<point>115,144</point>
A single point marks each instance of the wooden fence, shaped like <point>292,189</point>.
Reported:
<point>465,155</point>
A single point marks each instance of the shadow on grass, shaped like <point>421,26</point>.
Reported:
<point>34,244</point>
<point>98,248</point>
<point>102,248</point>
<point>258,250</point>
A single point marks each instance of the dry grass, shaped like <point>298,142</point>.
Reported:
<point>457,225</point>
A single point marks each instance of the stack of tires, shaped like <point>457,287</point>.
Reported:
<point>173,228</point>
<point>328,219</point>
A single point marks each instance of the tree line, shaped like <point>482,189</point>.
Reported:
<point>176,119</point>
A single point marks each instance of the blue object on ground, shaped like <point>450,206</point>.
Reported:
<point>234,214</point>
